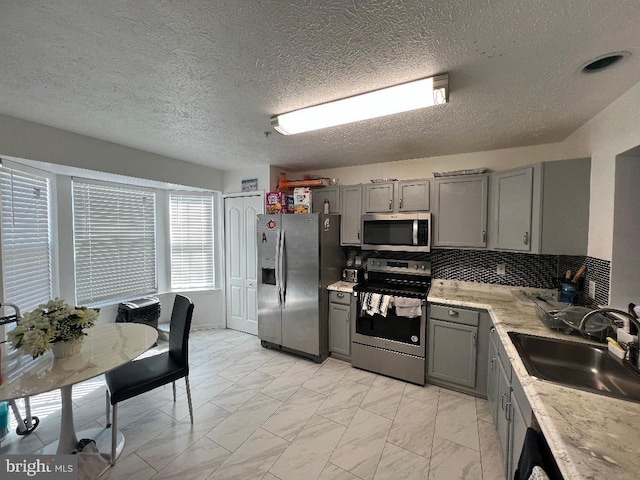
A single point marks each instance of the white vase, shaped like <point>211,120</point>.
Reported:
<point>67,348</point>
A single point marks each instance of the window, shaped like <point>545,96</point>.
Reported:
<point>114,229</point>
<point>191,224</point>
<point>26,239</point>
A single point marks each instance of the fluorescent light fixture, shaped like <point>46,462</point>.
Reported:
<point>421,93</point>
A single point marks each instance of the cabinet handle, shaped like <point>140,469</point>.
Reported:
<point>348,315</point>
<point>390,204</point>
<point>340,295</point>
<point>525,238</point>
<point>502,397</point>
<point>484,236</point>
<point>475,339</point>
<point>400,204</point>
<point>358,234</point>
<point>493,365</point>
<point>453,313</point>
<point>507,411</point>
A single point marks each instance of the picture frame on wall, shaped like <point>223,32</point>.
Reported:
<point>249,185</point>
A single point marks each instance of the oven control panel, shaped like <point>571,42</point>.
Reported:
<point>407,267</point>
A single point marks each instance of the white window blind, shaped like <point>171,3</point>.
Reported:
<point>26,239</point>
<point>191,225</point>
<point>114,230</point>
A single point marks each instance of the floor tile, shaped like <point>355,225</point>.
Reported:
<point>398,463</point>
<point>384,396</point>
<point>427,393</point>
<point>450,460</point>
<point>129,468</point>
<point>239,426</point>
<point>293,414</point>
<point>332,472</point>
<point>456,420</point>
<point>198,461</point>
<point>413,427</point>
<point>307,455</point>
<point>360,376</point>
<point>343,402</point>
<point>286,384</point>
<point>254,459</point>
<point>361,446</point>
<point>492,467</point>
<point>483,410</point>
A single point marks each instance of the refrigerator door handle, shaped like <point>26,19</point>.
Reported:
<point>278,254</point>
<point>283,269</point>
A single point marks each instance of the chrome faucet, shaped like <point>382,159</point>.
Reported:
<point>632,318</point>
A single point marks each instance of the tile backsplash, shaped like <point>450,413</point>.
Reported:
<point>521,269</point>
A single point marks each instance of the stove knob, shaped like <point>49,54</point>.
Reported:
<point>424,267</point>
<point>416,266</point>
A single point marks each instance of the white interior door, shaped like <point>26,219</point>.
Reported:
<point>241,262</point>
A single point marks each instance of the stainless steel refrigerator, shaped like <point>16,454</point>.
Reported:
<point>299,255</point>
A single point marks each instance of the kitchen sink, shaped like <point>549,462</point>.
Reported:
<point>578,365</point>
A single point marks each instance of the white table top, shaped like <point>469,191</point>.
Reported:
<point>105,348</point>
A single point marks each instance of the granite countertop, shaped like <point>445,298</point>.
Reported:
<point>591,435</point>
<point>342,286</point>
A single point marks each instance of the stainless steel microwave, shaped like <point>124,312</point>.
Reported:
<point>400,232</point>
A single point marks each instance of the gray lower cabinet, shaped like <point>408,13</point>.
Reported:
<point>458,348</point>
<point>460,211</point>
<point>351,211</point>
<point>509,406</point>
<point>340,305</point>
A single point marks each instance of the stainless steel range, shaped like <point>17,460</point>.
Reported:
<point>389,332</point>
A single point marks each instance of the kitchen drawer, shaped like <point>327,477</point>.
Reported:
<point>343,298</point>
<point>455,314</point>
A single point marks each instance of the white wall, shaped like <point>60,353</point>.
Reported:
<point>233,178</point>
<point>613,131</point>
<point>32,141</point>
<point>494,160</point>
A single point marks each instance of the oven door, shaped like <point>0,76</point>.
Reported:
<point>393,332</point>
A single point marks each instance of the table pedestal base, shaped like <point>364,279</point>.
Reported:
<point>102,436</point>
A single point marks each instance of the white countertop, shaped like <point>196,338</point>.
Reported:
<point>591,435</point>
<point>342,286</point>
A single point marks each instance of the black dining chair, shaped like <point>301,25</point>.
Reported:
<point>140,376</point>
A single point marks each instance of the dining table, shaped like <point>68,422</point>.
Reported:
<point>105,347</point>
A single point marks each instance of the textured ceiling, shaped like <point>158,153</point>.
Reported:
<point>199,80</point>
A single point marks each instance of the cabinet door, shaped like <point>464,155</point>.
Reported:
<point>413,195</point>
<point>492,377</point>
<point>460,211</point>
<point>452,352</point>
<point>350,223</point>
<point>519,426</point>
<point>512,194</point>
<point>326,193</point>
<point>339,329</point>
<point>502,420</point>
<point>378,197</point>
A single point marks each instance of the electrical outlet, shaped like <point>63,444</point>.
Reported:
<point>501,269</point>
<point>592,289</point>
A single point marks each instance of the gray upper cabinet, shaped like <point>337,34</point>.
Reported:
<point>413,195</point>
<point>460,211</point>
<point>543,208</point>
<point>351,211</point>
<point>397,196</point>
<point>378,197</point>
<point>319,195</point>
<point>512,197</point>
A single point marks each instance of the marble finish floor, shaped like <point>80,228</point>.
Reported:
<point>262,414</point>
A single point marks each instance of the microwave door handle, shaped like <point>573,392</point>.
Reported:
<point>415,232</point>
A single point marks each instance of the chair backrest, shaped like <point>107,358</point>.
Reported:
<point>179,330</point>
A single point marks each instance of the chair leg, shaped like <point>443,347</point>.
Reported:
<point>174,391</point>
<point>114,434</point>
<point>186,381</point>
<point>108,406</point>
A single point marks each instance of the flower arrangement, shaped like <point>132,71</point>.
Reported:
<point>54,321</point>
